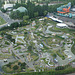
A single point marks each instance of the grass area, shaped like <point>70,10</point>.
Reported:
<point>20,39</point>
<point>18,48</point>
<point>34,57</point>
<point>60,55</point>
<point>11,67</point>
<point>2,21</point>
<point>65,30</point>
<point>49,41</point>
<point>4,56</point>
<point>52,22</point>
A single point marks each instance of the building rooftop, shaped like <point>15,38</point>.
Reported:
<point>8,6</point>
<point>61,25</point>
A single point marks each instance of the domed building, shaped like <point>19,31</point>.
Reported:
<point>22,9</point>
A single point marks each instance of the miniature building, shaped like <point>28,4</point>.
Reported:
<point>61,25</point>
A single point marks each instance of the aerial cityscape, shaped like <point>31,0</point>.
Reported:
<point>37,37</point>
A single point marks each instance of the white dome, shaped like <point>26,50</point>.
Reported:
<point>61,25</point>
<point>22,9</point>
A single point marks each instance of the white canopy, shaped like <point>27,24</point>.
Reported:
<point>61,25</point>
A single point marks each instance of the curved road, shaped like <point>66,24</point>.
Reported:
<point>7,19</point>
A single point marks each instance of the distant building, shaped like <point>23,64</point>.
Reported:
<point>20,1</point>
<point>70,24</point>
<point>8,6</point>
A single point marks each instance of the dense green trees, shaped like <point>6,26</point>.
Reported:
<point>25,17</point>
<point>29,48</point>
<point>9,65</point>
<point>23,66</point>
<point>15,67</point>
<point>60,72</point>
<point>14,25</point>
<point>9,37</point>
<point>3,10</point>
<point>60,68</point>
<point>54,55</point>
<point>36,14</point>
<point>34,11</point>
<point>17,14</point>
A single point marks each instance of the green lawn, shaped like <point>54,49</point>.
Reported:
<point>2,21</point>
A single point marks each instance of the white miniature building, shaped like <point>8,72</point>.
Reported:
<point>61,25</point>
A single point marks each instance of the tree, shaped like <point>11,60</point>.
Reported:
<point>15,67</point>
<point>25,17</point>
<point>45,13</point>
<point>54,55</point>
<point>35,14</point>
<point>19,63</point>
<point>9,65</point>
<point>60,68</point>
<point>23,65</point>
<point>30,48</point>
<point>8,36</point>
<point>3,10</point>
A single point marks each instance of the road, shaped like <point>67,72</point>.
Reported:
<point>66,19</point>
<point>7,19</point>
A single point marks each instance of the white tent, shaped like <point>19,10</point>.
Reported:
<point>61,25</point>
